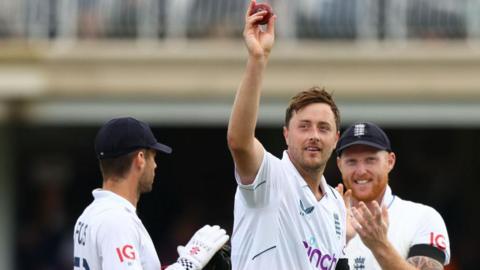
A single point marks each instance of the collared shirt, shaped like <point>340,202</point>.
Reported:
<point>279,224</point>
<point>109,235</point>
<point>414,229</point>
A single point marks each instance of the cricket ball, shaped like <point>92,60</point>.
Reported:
<point>261,7</point>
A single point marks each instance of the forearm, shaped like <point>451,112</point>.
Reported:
<point>243,119</point>
<point>389,259</point>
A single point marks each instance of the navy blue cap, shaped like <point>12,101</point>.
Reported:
<point>121,136</point>
<point>364,133</point>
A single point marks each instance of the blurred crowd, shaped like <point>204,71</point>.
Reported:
<point>307,19</point>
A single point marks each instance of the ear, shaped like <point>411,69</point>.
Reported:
<point>285,134</point>
<point>140,160</point>
<point>337,136</point>
<point>391,159</point>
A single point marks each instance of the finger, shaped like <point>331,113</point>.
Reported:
<point>249,9</point>
<point>255,18</point>
<point>339,188</point>
<point>365,211</point>
<point>180,250</point>
<point>347,197</point>
<point>271,25</point>
<point>356,225</point>
<point>366,214</point>
<point>222,240</point>
<point>357,216</point>
<point>385,215</point>
<point>203,231</point>
<point>377,212</point>
<point>218,235</point>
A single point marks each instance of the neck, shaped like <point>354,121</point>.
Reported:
<point>123,187</point>
<point>313,178</point>
<point>313,182</point>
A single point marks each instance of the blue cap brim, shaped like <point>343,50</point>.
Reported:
<point>162,148</point>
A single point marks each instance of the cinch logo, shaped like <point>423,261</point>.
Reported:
<point>320,260</point>
<point>305,210</point>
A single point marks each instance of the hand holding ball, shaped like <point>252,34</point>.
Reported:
<point>261,7</point>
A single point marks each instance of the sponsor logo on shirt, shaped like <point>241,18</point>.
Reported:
<point>321,260</point>
<point>438,240</point>
<point>359,263</point>
<point>127,252</point>
<point>305,210</point>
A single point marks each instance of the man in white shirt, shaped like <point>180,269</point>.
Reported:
<point>286,216</point>
<point>393,234</point>
<point>109,234</point>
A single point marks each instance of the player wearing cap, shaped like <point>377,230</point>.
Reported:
<point>109,234</point>
<point>392,233</point>
<point>286,216</point>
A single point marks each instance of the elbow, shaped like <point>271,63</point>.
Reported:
<point>236,144</point>
<point>233,142</point>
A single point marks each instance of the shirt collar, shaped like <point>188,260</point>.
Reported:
<point>102,194</point>
<point>301,181</point>
<point>388,197</point>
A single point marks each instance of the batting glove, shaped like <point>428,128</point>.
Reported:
<point>200,249</point>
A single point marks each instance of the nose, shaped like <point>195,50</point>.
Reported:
<point>314,135</point>
<point>360,169</point>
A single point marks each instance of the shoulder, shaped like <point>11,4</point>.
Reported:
<point>108,216</point>
<point>420,210</point>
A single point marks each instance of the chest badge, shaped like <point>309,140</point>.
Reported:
<point>338,229</point>
<point>359,263</point>
<point>305,210</point>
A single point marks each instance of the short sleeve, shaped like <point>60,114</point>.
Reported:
<point>432,232</point>
<point>118,242</point>
<point>259,193</point>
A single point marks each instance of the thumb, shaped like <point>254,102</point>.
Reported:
<point>339,188</point>
<point>181,250</point>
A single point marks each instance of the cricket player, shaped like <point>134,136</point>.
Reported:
<point>393,234</point>
<point>286,215</point>
<point>109,234</point>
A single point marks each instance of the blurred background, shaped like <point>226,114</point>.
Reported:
<point>67,66</point>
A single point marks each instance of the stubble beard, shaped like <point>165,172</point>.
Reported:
<point>144,185</point>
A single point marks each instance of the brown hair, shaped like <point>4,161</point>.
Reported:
<point>313,95</point>
<point>119,166</point>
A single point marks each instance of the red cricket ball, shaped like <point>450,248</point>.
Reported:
<point>261,7</point>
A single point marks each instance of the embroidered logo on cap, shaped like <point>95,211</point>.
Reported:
<point>359,130</point>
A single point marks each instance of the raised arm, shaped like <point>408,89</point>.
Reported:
<point>246,150</point>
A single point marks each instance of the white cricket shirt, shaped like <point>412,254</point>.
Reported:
<point>410,224</point>
<point>109,235</point>
<point>279,224</point>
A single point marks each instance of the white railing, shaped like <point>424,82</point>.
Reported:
<point>195,19</point>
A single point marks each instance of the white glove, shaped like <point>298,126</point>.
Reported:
<point>200,249</point>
